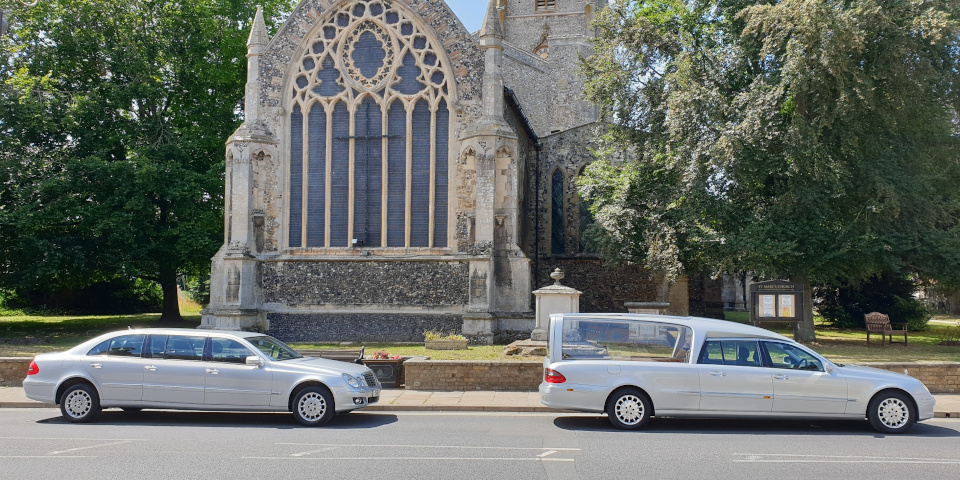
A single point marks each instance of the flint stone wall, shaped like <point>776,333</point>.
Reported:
<point>365,283</point>
<point>359,327</point>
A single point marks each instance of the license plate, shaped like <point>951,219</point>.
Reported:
<point>376,393</point>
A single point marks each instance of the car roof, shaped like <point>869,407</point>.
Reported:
<point>189,331</point>
<point>706,327</point>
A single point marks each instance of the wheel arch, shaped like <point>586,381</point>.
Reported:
<point>621,388</point>
<point>306,384</point>
<point>913,401</point>
<point>64,385</point>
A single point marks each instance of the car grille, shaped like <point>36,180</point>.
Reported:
<point>370,378</point>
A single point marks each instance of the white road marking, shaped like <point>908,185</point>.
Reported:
<point>77,439</point>
<point>797,458</point>
<point>88,447</point>
<point>301,454</point>
<point>43,456</point>
<point>504,459</point>
<point>464,447</point>
<point>547,454</point>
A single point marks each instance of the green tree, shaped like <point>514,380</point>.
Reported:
<point>808,139</point>
<point>113,117</point>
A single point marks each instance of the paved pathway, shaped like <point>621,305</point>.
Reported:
<point>948,406</point>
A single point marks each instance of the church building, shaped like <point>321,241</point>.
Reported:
<point>396,173</point>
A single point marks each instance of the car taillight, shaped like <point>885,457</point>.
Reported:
<point>552,376</point>
<point>34,369</point>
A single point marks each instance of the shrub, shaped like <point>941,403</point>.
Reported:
<point>435,335</point>
<point>843,306</point>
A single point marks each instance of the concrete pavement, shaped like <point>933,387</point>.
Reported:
<point>948,406</point>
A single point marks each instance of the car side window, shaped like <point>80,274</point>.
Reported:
<point>787,356</point>
<point>745,353</point>
<point>712,353</point>
<point>228,351</point>
<point>122,346</point>
<point>182,347</point>
<point>155,346</point>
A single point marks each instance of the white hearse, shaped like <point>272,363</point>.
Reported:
<point>634,367</point>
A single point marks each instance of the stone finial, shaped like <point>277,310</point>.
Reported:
<point>258,34</point>
<point>557,275</point>
<point>491,22</point>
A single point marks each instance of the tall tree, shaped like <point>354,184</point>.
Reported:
<point>808,139</point>
<point>114,114</point>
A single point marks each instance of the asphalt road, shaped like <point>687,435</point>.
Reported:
<point>38,444</point>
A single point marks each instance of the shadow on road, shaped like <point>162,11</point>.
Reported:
<point>709,426</point>
<point>167,418</point>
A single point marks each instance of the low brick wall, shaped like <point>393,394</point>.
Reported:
<point>943,377</point>
<point>13,370</point>
<point>463,375</point>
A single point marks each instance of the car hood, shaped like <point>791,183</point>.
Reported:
<point>311,364</point>
<point>861,371</point>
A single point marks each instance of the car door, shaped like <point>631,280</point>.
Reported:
<point>230,381</point>
<point>732,377</point>
<point>117,368</point>
<point>176,375</point>
<point>800,382</point>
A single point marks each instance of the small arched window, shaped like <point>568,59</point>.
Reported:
<point>557,239</point>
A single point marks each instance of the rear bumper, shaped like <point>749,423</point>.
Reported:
<point>41,391</point>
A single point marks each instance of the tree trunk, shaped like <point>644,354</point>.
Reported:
<point>171,302</point>
<point>803,331</point>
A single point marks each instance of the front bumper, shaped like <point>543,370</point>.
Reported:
<point>925,404</point>
<point>349,398</point>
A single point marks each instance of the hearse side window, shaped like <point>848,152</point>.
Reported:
<point>745,353</point>
<point>122,346</point>
<point>783,355</point>
<point>624,340</point>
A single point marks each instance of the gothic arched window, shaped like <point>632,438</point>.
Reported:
<point>369,134</point>
<point>557,237</point>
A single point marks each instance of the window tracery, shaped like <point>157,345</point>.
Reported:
<point>369,134</point>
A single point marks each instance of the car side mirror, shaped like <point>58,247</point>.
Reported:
<point>828,368</point>
<point>254,361</point>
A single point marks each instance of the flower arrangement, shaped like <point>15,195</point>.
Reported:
<point>436,335</point>
<point>384,355</point>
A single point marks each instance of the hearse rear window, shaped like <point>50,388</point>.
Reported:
<point>630,340</point>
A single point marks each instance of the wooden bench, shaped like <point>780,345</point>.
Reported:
<point>880,323</point>
<point>350,356</point>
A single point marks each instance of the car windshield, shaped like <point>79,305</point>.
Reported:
<point>273,348</point>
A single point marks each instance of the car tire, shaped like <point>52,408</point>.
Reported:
<point>629,409</point>
<point>80,403</point>
<point>313,406</point>
<point>891,412</point>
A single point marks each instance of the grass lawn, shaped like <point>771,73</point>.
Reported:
<point>24,335</point>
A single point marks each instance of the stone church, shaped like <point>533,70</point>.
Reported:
<point>396,173</point>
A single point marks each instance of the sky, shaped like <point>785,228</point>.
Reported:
<point>470,12</point>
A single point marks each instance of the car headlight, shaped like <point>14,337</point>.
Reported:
<point>353,381</point>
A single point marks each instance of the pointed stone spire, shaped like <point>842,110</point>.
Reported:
<point>491,22</point>
<point>256,45</point>
<point>258,34</point>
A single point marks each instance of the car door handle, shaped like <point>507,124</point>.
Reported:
<point>781,377</point>
<point>96,365</point>
<point>213,371</point>
<point>718,374</point>
<point>152,368</point>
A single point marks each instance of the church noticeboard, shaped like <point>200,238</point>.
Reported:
<point>776,301</point>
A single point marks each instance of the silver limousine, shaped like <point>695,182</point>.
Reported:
<point>634,367</point>
<point>197,370</point>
